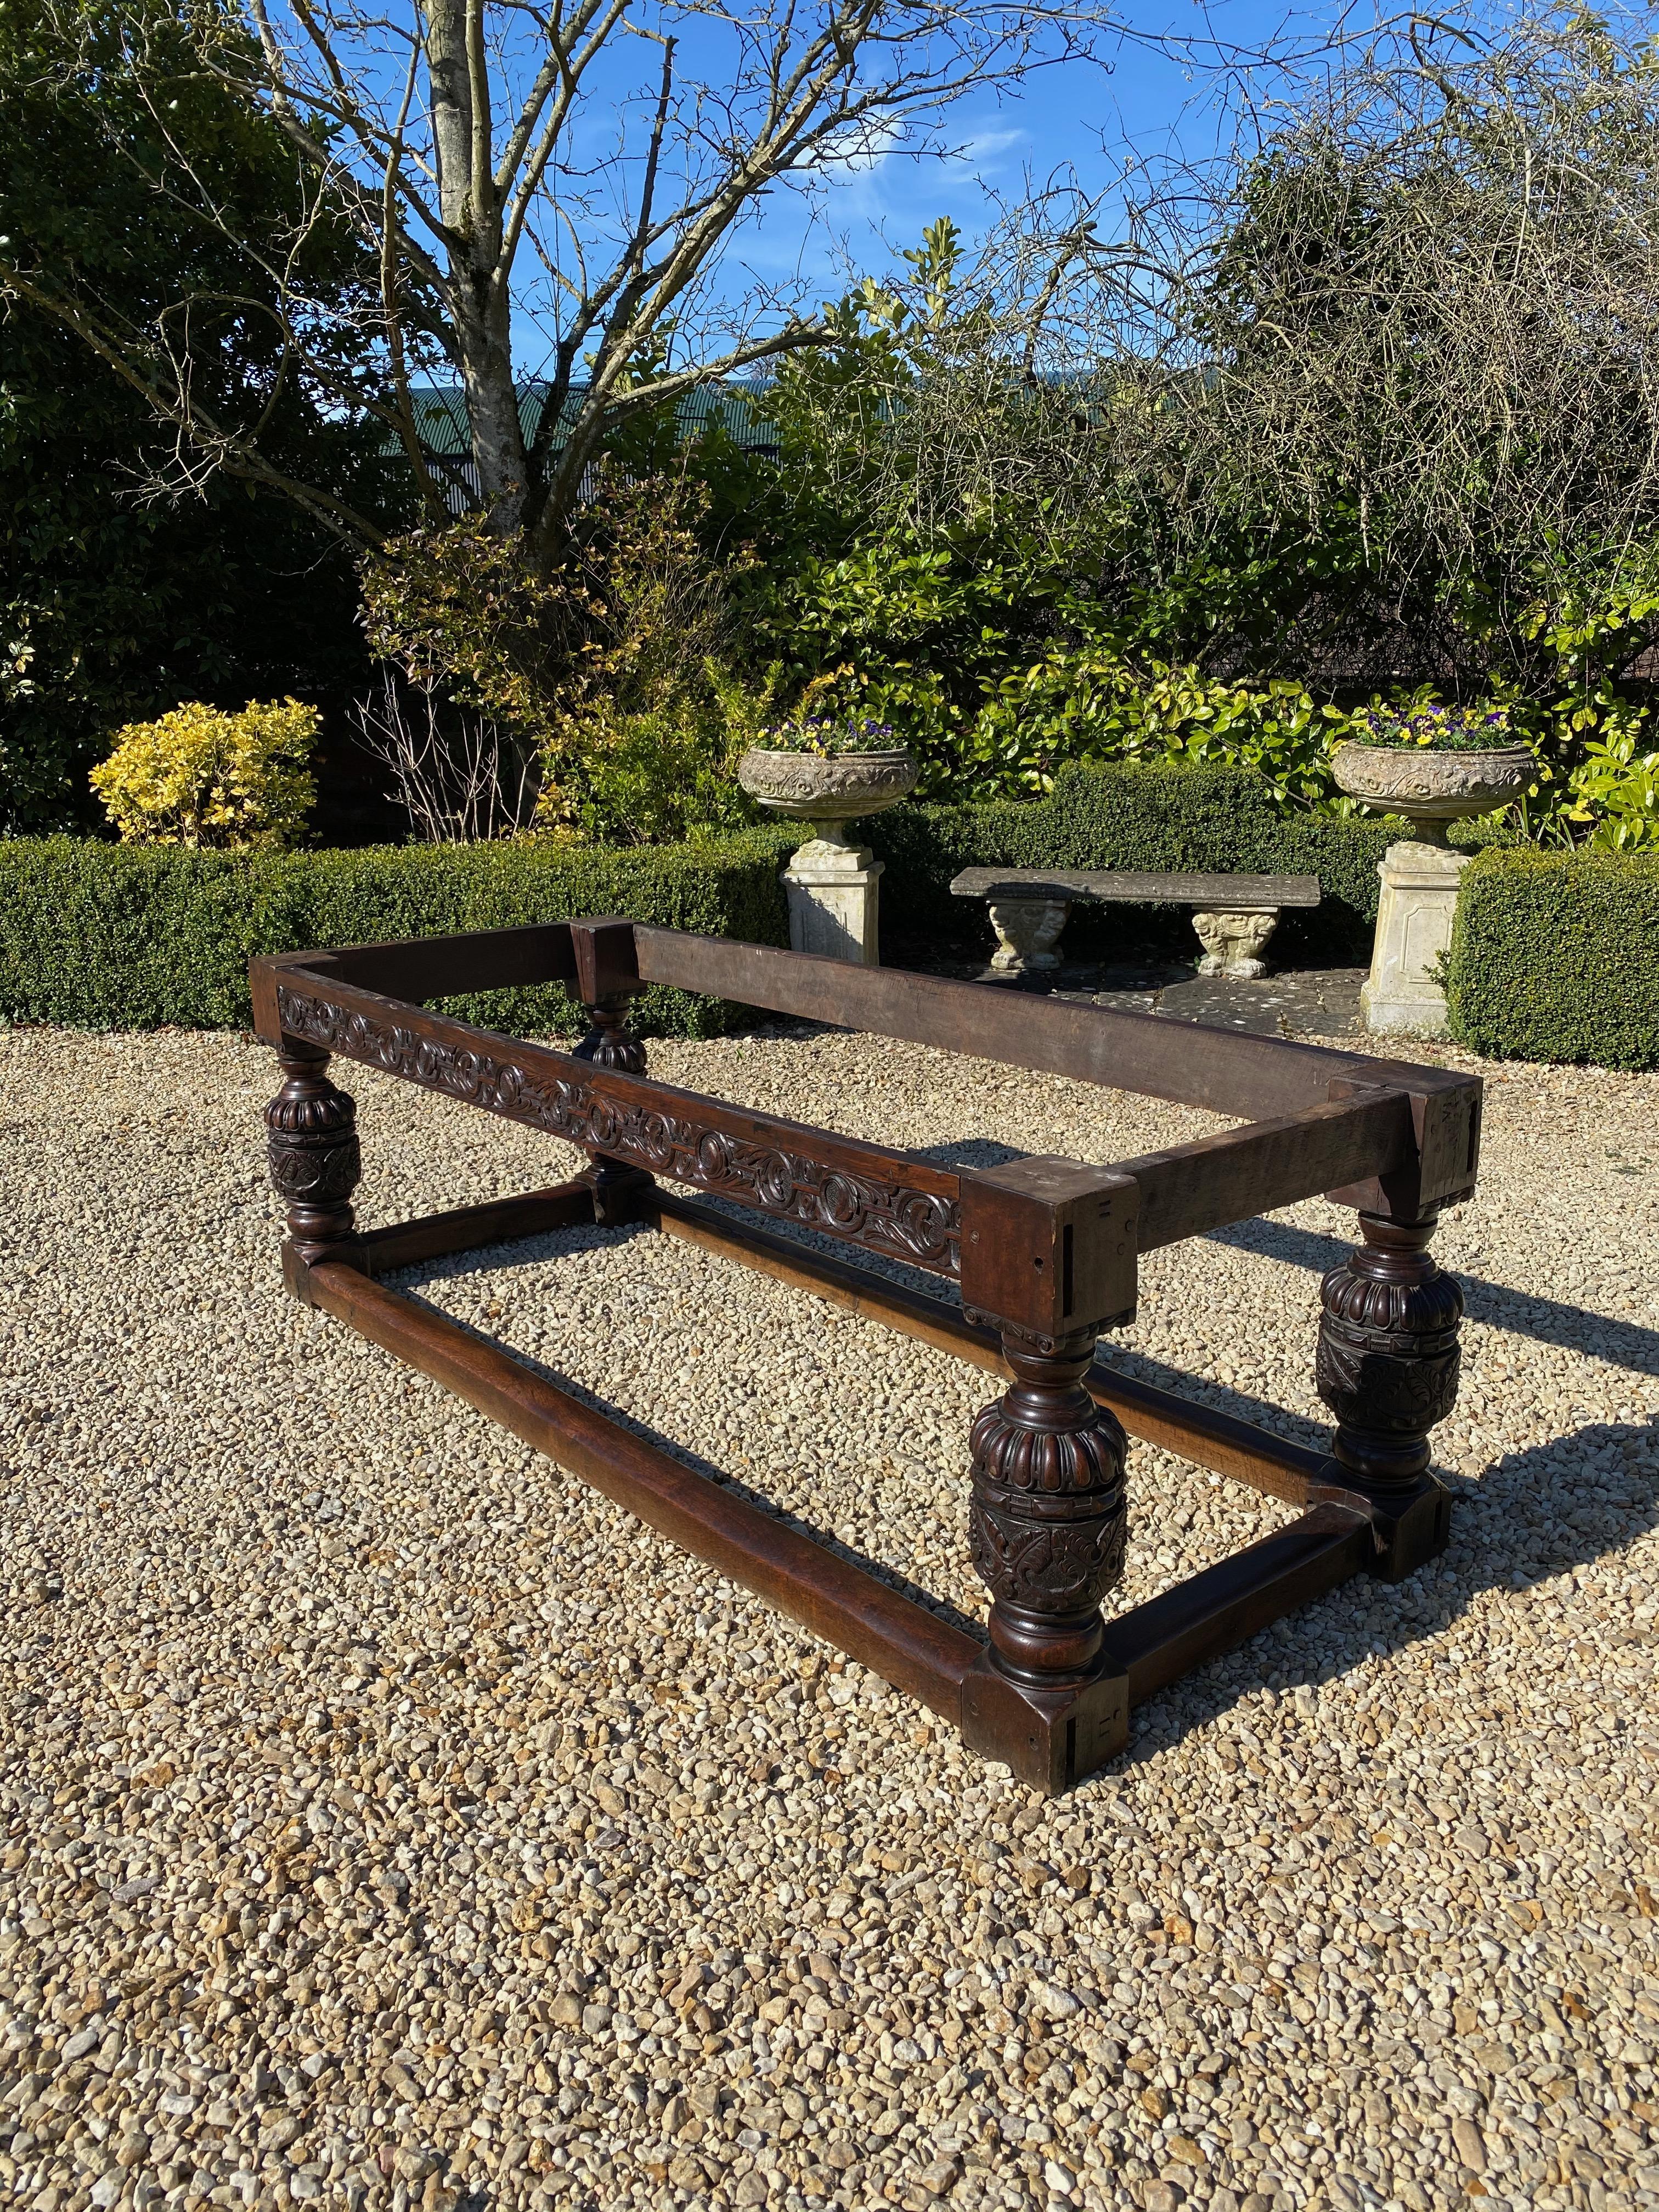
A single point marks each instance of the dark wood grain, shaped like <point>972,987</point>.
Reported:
<point>904,1642</point>
<point>419,969</point>
<point>474,1228</point>
<point>1237,1173</point>
<point>1228,1070</point>
<point>1049,1246</point>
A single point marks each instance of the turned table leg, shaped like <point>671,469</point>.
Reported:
<point>1049,1512</point>
<point>619,1187</point>
<point>1387,1367</point>
<point>312,1144</point>
<point>1047,1261</point>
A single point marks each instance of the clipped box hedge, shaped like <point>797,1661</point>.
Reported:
<point>99,936</point>
<point>1211,821</point>
<point>102,936</point>
<point>1555,957</point>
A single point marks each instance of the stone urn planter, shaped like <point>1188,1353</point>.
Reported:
<point>830,789</point>
<point>1428,788</point>
<point>1403,994</point>
<point>831,884</point>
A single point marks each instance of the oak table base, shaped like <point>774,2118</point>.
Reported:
<point>1044,1252</point>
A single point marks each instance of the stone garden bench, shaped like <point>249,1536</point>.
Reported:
<point>1235,914</point>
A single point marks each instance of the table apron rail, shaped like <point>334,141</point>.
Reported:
<point>884,1201</point>
<point>1229,1070</point>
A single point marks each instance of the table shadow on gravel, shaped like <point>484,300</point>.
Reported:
<point>1488,1552</point>
<point>1521,1313</point>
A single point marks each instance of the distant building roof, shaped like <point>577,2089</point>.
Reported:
<point>440,420</point>
<point>441,425</point>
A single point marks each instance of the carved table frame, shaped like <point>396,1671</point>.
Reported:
<point>1044,1251</point>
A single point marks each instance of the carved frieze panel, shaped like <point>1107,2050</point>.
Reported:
<point>888,1216</point>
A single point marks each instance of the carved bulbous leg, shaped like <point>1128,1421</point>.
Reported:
<point>619,1188</point>
<point>1049,1513</point>
<point>1387,1368</point>
<point>315,1163</point>
<point>611,1042</point>
<point>1387,1352</point>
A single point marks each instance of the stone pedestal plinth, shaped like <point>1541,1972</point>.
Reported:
<point>834,893</point>
<point>1414,928</point>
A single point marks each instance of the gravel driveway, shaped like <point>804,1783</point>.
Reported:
<point>389,1819</point>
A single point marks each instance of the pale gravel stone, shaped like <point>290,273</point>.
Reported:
<point>517,1859</point>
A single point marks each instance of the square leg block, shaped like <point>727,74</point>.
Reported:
<point>1053,1739</point>
<point>1407,1530</point>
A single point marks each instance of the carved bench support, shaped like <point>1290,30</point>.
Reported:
<point>1387,1367</point>
<point>312,1146</point>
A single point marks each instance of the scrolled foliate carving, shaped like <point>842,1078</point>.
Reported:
<point>1381,773</point>
<point>1049,1518</point>
<point>304,1169</point>
<point>891,1217</point>
<point>1388,1358</point>
<point>1045,1562</point>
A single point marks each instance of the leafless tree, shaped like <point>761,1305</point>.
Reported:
<point>574,171</point>
<point>453,772</point>
<point>1419,289</point>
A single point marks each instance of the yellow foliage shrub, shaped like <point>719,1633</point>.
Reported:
<point>201,776</point>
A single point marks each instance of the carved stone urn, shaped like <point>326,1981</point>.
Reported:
<point>831,884</point>
<point>1430,787</point>
<point>1403,994</point>
<point>828,789</point>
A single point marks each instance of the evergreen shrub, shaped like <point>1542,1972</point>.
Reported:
<point>100,936</point>
<point>1198,819</point>
<point>1555,957</point>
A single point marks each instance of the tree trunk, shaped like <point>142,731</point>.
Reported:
<point>470,209</point>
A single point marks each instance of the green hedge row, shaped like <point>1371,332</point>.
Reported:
<point>1212,821</point>
<point>100,936</point>
<point>95,935</point>
<point>1555,957</point>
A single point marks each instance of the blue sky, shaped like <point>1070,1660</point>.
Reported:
<point>1076,117</point>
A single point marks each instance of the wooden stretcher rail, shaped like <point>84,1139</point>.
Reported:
<point>1218,1441</point>
<point>1206,1436</point>
<point>472,1227</point>
<point>902,1641</point>
<point>1225,1605</point>
<point>1229,1071</point>
<point>942,1666</point>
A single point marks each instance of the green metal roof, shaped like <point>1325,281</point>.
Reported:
<point>440,419</point>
